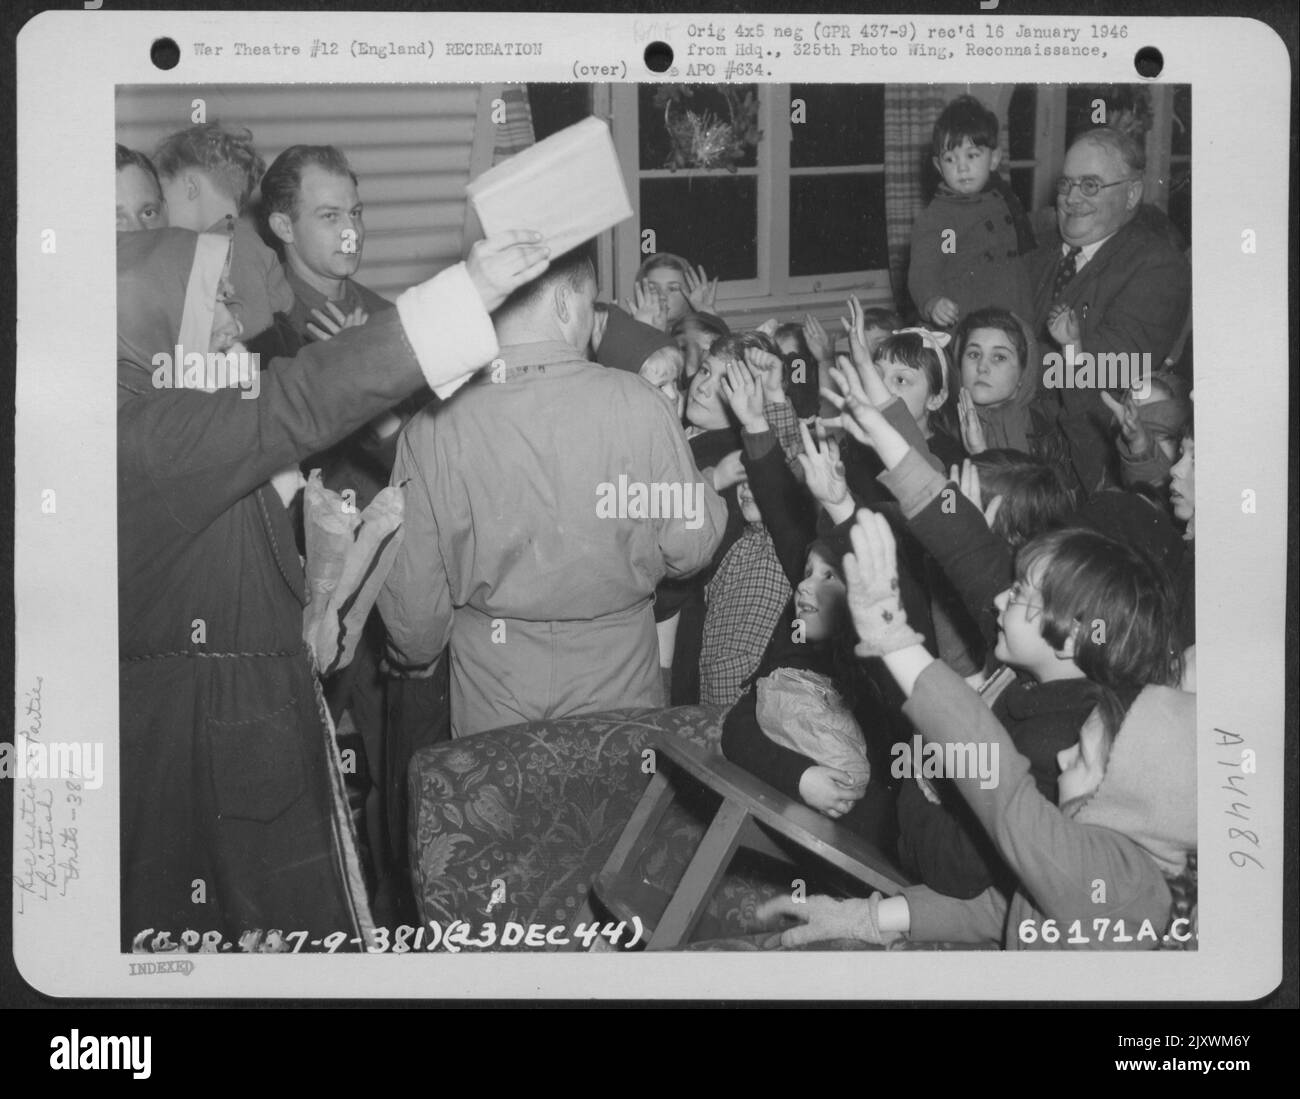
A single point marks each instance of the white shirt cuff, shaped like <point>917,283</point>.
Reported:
<point>449,330</point>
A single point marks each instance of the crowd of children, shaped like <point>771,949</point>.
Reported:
<point>914,545</point>
<point>1003,557</point>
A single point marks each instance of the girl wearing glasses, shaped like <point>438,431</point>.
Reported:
<point>1096,870</point>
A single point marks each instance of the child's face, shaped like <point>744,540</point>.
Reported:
<point>704,405</point>
<point>748,508</point>
<point>820,598</point>
<point>139,201</point>
<point>990,366</point>
<point>667,282</point>
<point>910,386</point>
<point>1182,482</point>
<point>966,168</point>
<point>1083,766</point>
<point>1020,628</point>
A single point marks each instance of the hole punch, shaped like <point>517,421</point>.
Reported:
<point>164,53</point>
<point>658,57</point>
<point>1149,62</point>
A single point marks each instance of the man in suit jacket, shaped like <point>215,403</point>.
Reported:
<point>1111,284</point>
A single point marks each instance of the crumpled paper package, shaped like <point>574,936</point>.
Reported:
<point>803,711</point>
<point>349,556</point>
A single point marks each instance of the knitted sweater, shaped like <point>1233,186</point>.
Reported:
<point>967,248</point>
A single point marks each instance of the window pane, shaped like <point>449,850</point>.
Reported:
<point>1020,123</point>
<point>711,221</point>
<point>679,123</point>
<point>1181,144</point>
<point>837,224</point>
<point>555,106</point>
<point>842,124</point>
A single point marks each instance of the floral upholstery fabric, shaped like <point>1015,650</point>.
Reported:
<point>529,814</point>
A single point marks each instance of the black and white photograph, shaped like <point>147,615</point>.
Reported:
<point>906,360</point>
<point>674,515</point>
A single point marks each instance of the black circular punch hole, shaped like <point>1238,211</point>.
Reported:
<point>164,53</point>
<point>1149,62</point>
<point>658,57</point>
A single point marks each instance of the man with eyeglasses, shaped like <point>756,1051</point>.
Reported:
<point>1111,284</point>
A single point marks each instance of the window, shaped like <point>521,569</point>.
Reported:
<point>1021,133</point>
<point>698,175</point>
<point>778,190</point>
<point>837,180</point>
<point>555,106</point>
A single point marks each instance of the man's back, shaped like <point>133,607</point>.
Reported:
<point>536,534</point>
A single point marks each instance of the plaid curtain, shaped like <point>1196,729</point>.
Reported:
<point>516,133</point>
<point>910,112</point>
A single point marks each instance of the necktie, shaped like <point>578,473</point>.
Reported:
<point>1064,273</point>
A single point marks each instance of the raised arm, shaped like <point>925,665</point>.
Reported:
<point>787,511</point>
<point>687,541</point>
<point>201,452</point>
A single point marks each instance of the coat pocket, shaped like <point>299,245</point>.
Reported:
<point>257,764</point>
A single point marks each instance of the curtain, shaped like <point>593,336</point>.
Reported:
<point>516,133</point>
<point>910,113</point>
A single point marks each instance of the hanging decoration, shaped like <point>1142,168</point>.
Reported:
<point>702,139</point>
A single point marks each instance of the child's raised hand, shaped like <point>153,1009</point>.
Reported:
<point>972,430</point>
<point>700,292</point>
<point>729,471</point>
<point>818,340</point>
<point>858,416</point>
<point>1125,413</point>
<point>855,325</point>
<point>1063,324</point>
<point>825,918</point>
<point>969,483</point>
<point>849,382</point>
<point>769,370</point>
<point>871,572</point>
<point>822,469</point>
<point>648,305</point>
<point>742,392</point>
<point>502,262</point>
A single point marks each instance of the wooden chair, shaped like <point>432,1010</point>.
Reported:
<point>751,815</point>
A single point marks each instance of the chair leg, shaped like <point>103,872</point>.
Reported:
<point>701,877</point>
<point>637,833</point>
<point>641,825</point>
